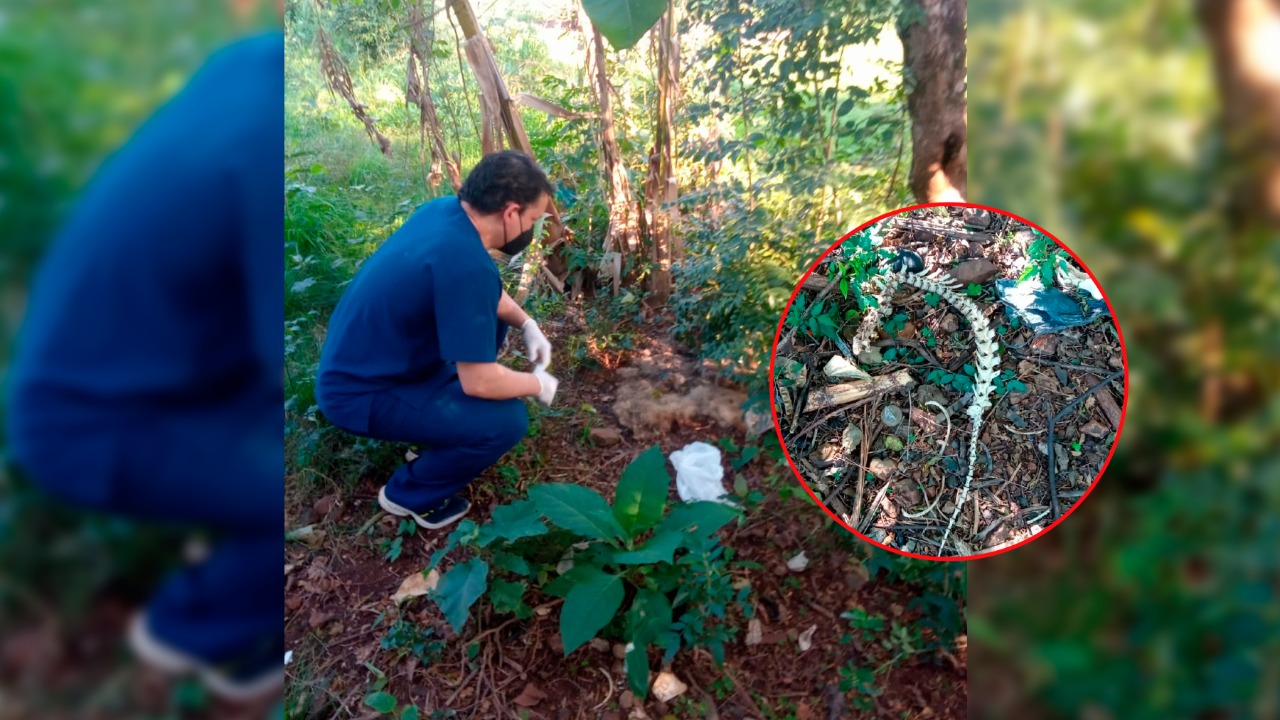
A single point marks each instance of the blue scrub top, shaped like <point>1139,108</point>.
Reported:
<point>163,292</point>
<point>426,298</point>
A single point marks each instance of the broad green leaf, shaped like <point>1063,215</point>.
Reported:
<point>459,589</point>
<point>465,532</point>
<point>703,517</point>
<point>642,492</point>
<point>649,616</point>
<point>383,702</point>
<point>511,522</point>
<point>409,713</point>
<point>588,607</point>
<point>637,661</point>
<point>624,22</point>
<point>577,509</point>
<point>559,587</point>
<point>507,597</point>
<point>658,548</point>
<point>512,564</point>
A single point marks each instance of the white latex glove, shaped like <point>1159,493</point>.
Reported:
<point>548,385</point>
<point>536,344</point>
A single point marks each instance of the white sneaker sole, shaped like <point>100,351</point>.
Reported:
<point>400,511</point>
<point>168,659</point>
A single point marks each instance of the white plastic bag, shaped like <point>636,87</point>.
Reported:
<point>699,474</point>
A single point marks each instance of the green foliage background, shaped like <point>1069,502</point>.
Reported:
<point>1158,598</point>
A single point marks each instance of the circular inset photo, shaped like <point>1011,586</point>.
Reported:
<point>949,381</point>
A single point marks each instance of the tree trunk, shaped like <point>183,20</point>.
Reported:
<point>501,113</point>
<point>622,235</point>
<point>1243,37</point>
<point>933,48</point>
<point>666,246</point>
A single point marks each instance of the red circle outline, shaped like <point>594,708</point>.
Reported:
<point>773,405</point>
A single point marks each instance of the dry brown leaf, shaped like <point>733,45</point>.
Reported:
<point>319,617</point>
<point>530,696</point>
<point>416,585</point>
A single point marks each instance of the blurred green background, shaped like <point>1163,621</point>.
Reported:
<point>1158,598</point>
<point>77,78</point>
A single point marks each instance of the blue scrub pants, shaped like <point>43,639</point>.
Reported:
<point>459,436</point>
<point>219,468</point>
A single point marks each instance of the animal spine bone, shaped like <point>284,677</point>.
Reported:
<point>987,356</point>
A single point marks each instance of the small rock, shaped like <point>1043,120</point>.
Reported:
<point>950,323</point>
<point>974,250</point>
<point>976,218</point>
<point>798,563</point>
<point>606,436</point>
<point>851,438</point>
<point>882,468</point>
<point>755,632</point>
<point>1115,361</point>
<point>626,700</point>
<point>620,651</point>
<point>908,493</point>
<point>857,576</point>
<point>805,641</point>
<point>948,508</point>
<point>1093,428</point>
<point>1063,379</point>
<point>668,687</point>
<point>825,456</point>
<point>974,271</point>
<point>931,393</point>
<point>599,645</point>
<point>757,423</point>
<point>1045,345</point>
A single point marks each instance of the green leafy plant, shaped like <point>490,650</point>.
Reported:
<point>974,290</point>
<point>895,324</point>
<point>1005,383</point>
<point>932,299</point>
<point>391,547</point>
<point>861,681</point>
<point>1041,256</point>
<point>404,639</point>
<point>666,567</point>
<point>961,382</point>
<point>384,702</point>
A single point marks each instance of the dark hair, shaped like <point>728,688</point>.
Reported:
<point>503,177</point>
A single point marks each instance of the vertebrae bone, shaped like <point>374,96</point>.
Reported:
<point>987,354</point>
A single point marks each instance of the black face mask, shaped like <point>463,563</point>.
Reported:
<point>517,244</point>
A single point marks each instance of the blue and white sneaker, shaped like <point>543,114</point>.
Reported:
<point>250,678</point>
<point>443,515</point>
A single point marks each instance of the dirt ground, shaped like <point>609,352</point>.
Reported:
<point>901,468</point>
<point>339,607</point>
